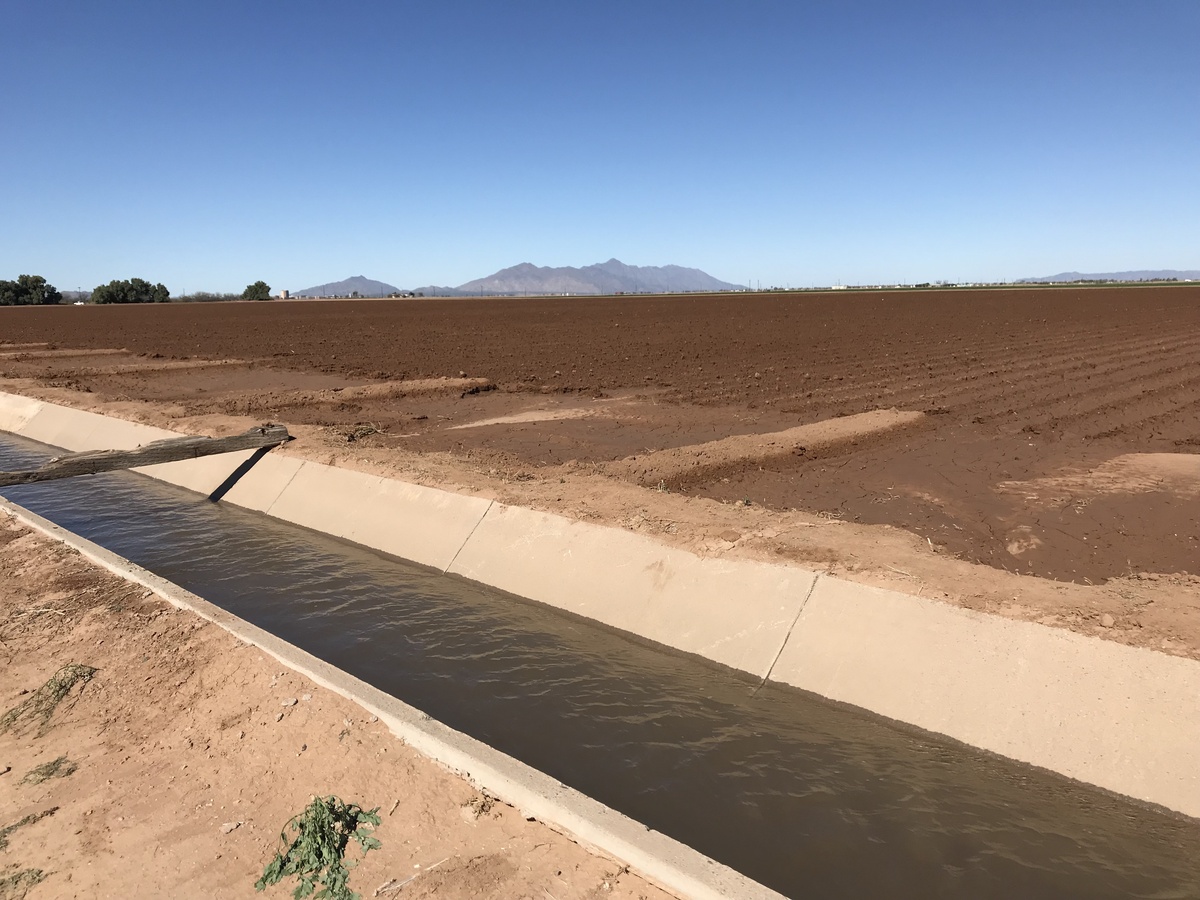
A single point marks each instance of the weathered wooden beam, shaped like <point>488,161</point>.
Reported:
<point>93,462</point>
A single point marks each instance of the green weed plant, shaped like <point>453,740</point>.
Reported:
<point>316,855</point>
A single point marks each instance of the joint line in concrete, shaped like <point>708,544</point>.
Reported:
<point>787,637</point>
<point>467,539</point>
<point>283,490</point>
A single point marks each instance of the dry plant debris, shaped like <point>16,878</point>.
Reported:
<point>42,703</point>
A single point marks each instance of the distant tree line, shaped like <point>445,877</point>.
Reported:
<point>205,297</point>
<point>34,290</point>
<point>260,290</point>
<point>135,290</point>
<point>28,290</point>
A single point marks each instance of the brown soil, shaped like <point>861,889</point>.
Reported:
<point>186,771</point>
<point>1023,484</point>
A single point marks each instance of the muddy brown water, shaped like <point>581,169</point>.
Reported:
<point>811,798</point>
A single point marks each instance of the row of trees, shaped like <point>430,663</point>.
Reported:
<point>34,290</point>
<point>28,290</point>
<point>134,290</point>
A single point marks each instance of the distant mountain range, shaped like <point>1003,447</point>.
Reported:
<point>612,277</point>
<point>358,284</point>
<point>1139,275</point>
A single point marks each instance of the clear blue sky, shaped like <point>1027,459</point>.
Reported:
<point>206,143</point>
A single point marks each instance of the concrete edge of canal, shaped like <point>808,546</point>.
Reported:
<point>660,859</point>
<point>1122,718</point>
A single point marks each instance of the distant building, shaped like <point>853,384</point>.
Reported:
<point>284,294</point>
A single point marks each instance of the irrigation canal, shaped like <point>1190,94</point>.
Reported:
<point>808,797</point>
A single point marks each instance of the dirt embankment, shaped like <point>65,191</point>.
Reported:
<point>1046,472</point>
<point>172,770</point>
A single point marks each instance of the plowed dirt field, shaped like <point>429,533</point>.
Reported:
<point>1059,435</point>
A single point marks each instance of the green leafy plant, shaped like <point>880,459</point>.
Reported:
<point>316,855</point>
<point>260,290</point>
<point>133,290</point>
<point>28,290</point>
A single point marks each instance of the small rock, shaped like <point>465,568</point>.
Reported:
<point>730,535</point>
<point>1107,621</point>
<point>241,734</point>
<point>230,826</point>
<point>290,701</point>
<point>279,718</point>
<point>306,697</point>
<point>373,719</point>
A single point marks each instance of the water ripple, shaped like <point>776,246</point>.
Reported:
<point>807,796</point>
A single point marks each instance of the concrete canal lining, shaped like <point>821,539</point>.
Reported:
<point>1122,718</point>
<point>635,584</point>
<point>659,858</point>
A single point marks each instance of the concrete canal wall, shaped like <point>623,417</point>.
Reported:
<point>1122,718</point>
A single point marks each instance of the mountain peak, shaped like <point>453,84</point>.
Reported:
<point>611,277</point>
<point>355,284</point>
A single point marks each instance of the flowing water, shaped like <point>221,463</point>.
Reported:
<point>806,796</point>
